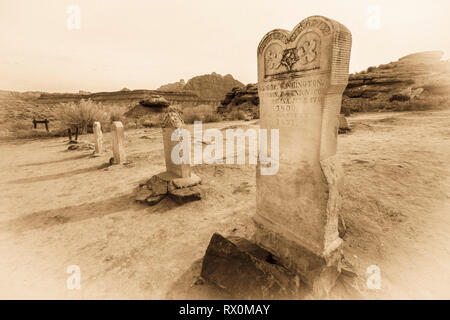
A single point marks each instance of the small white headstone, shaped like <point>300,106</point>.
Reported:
<point>118,137</point>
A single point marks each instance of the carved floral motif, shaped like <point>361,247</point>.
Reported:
<point>279,60</point>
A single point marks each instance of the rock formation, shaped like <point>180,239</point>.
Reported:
<point>415,76</point>
<point>176,86</point>
<point>244,99</point>
<point>208,86</point>
<point>148,108</point>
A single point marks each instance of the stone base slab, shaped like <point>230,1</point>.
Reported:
<point>318,271</point>
<point>247,271</point>
<point>169,184</point>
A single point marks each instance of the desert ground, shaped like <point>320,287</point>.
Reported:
<point>61,208</point>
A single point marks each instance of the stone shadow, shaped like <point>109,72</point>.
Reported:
<point>81,156</point>
<point>190,286</point>
<point>49,218</point>
<point>59,175</point>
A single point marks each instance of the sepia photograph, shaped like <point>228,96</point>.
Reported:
<point>210,150</point>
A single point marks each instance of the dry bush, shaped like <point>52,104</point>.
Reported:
<point>82,114</point>
<point>400,97</point>
<point>237,115</point>
<point>420,104</point>
<point>24,129</point>
<point>204,113</point>
<point>116,113</point>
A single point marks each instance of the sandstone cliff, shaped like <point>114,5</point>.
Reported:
<point>415,82</point>
<point>416,77</point>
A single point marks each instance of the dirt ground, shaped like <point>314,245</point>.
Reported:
<point>60,208</point>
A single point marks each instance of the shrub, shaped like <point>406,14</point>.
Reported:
<point>237,115</point>
<point>204,113</point>
<point>399,97</point>
<point>82,114</point>
<point>116,113</point>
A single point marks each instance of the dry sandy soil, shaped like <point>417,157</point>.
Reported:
<point>60,208</point>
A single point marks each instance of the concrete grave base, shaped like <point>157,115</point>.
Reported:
<point>169,184</point>
<point>247,271</point>
<point>318,272</point>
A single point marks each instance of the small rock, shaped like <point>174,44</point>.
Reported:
<point>148,123</point>
<point>81,145</point>
<point>246,270</point>
<point>142,194</point>
<point>186,194</point>
<point>343,124</point>
<point>342,227</point>
<point>154,101</point>
<point>158,185</point>
<point>152,200</point>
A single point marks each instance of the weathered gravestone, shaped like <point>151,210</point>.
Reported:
<point>301,77</point>
<point>171,123</point>
<point>118,137</point>
<point>177,181</point>
<point>98,136</point>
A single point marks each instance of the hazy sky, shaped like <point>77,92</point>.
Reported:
<point>144,44</point>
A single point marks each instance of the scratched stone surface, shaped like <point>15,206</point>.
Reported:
<point>301,77</point>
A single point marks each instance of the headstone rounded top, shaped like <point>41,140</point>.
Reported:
<point>316,44</point>
<point>155,101</point>
<point>117,124</point>
<point>171,118</point>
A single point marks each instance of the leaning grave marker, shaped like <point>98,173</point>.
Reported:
<point>301,77</point>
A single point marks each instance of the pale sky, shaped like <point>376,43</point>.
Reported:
<point>142,44</point>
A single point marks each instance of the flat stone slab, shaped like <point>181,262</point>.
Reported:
<point>193,180</point>
<point>247,271</point>
<point>167,183</point>
<point>186,194</point>
<point>152,200</point>
<point>142,194</point>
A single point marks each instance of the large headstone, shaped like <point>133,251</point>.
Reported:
<point>98,136</point>
<point>118,137</point>
<point>301,77</point>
